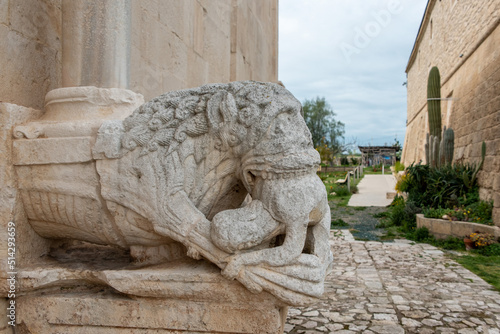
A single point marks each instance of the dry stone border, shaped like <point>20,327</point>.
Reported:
<point>397,287</point>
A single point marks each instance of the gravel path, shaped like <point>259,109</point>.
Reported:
<point>361,220</point>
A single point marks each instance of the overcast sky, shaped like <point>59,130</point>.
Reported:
<point>354,53</point>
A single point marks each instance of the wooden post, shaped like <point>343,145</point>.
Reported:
<point>349,181</point>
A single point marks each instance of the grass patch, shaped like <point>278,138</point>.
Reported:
<point>423,235</point>
<point>486,267</point>
<point>341,200</point>
<point>359,208</point>
<point>384,214</point>
<point>391,233</point>
<point>337,193</point>
<point>377,170</point>
<point>338,223</point>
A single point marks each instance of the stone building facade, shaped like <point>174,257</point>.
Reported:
<point>461,38</point>
<point>158,46</point>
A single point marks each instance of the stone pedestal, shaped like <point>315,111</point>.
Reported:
<point>187,296</point>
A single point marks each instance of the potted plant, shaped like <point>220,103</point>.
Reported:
<point>480,239</point>
<point>469,244</point>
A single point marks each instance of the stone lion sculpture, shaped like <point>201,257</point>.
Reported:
<point>228,171</point>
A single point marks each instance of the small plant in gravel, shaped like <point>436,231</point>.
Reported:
<point>384,214</point>
<point>338,223</point>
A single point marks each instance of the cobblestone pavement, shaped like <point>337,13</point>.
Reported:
<point>397,287</point>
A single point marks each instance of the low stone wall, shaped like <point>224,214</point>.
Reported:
<point>329,169</point>
<point>441,228</point>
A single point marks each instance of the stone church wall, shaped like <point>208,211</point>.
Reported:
<point>180,44</point>
<point>462,39</point>
<point>30,55</point>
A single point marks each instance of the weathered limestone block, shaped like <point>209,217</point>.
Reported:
<point>101,313</point>
<point>224,172</point>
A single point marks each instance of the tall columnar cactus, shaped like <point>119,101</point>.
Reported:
<point>435,151</point>
<point>432,150</point>
<point>427,149</point>
<point>448,145</point>
<point>441,149</point>
<point>434,102</point>
<point>439,146</point>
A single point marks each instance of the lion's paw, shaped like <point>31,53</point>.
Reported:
<point>233,268</point>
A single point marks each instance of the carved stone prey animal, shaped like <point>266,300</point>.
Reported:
<point>179,169</point>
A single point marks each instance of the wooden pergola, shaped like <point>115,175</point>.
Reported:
<point>374,155</point>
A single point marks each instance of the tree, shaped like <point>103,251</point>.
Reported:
<point>324,151</point>
<point>397,145</point>
<point>325,130</point>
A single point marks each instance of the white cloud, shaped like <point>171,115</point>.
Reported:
<point>363,86</point>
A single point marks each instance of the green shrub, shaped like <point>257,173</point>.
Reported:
<point>478,212</point>
<point>443,187</point>
<point>409,225</point>
<point>341,190</point>
<point>415,183</point>
<point>435,213</point>
<point>403,213</point>
<point>446,184</point>
<point>452,243</point>
<point>421,235</point>
<point>490,250</point>
<point>399,167</point>
<point>397,214</point>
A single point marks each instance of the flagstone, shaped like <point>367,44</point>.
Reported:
<point>392,289</point>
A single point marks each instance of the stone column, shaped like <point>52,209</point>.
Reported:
<point>96,43</point>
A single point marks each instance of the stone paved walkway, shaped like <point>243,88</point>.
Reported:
<point>397,287</point>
